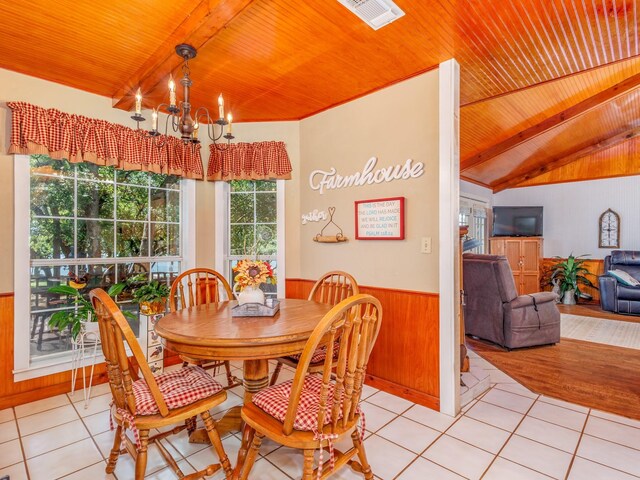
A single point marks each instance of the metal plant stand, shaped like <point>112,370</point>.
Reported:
<point>84,347</point>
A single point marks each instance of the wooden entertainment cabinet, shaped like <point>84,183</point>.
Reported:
<point>525,256</point>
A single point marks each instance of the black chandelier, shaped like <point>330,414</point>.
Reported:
<point>180,113</point>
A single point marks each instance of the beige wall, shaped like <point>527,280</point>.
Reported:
<point>17,87</point>
<point>394,124</point>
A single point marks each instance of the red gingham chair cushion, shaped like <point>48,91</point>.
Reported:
<point>275,400</point>
<point>179,388</point>
<point>320,354</point>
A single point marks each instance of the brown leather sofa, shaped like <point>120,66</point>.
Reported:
<point>493,310</point>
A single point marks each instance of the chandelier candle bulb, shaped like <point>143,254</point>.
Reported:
<point>196,126</point>
<point>221,106</point>
<point>154,120</point>
<point>138,102</point>
<point>229,119</point>
<point>172,91</point>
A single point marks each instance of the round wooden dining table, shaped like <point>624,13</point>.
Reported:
<point>210,332</point>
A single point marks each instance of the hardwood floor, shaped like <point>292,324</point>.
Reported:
<point>591,374</point>
<point>592,310</point>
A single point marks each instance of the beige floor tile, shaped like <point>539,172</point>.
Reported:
<point>508,400</point>
<point>562,403</point>
<point>181,443</point>
<point>8,431</point>
<point>125,467</point>
<point>429,417</point>
<point>168,473</point>
<point>17,471</point>
<point>479,434</point>
<point>41,405</point>
<point>10,453</point>
<point>558,415</point>
<point>616,418</point>
<point>538,457</point>
<point>390,402</point>
<point>289,460</point>
<point>409,434</point>
<point>98,422</point>
<point>583,469</point>
<point>516,388</point>
<point>53,438</point>
<point>96,391</point>
<point>232,400</point>
<point>94,472</point>
<point>613,432</point>
<point>367,391</point>
<point>265,470</point>
<point>502,469</point>
<point>48,419</point>
<point>6,415</point>
<point>550,434</point>
<point>459,457</point>
<point>387,459</point>
<point>376,417</point>
<point>96,405</point>
<point>208,456</point>
<point>423,469</point>
<point>497,376</point>
<point>610,454</point>
<point>63,461</point>
<point>494,415</point>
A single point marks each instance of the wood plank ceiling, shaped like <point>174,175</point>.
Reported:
<point>522,62</point>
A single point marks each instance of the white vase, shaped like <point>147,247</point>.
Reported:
<point>251,294</point>
<point>569,297</point>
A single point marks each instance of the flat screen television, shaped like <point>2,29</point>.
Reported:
<point>517,221</point>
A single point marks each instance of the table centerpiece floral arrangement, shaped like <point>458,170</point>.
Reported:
<point>250,274</point>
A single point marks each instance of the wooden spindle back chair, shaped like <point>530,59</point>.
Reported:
<point>354,323</point>
<point>200,286</point>
<point>331,288</point>
<point>114,332</point>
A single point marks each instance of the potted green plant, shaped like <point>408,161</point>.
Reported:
<point>569,274</point>
<point>82,316</point>
<point>152,297</point>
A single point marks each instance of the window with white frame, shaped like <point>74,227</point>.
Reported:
<point>473,212</point>
<point>95,225</point>
<point>255,227</point>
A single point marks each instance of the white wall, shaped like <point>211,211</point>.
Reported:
<point>476,191</point>
<point>572,210</point>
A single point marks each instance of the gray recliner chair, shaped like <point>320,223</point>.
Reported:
<point>493,310</point>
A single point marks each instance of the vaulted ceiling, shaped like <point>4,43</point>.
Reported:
<point>549,89</point>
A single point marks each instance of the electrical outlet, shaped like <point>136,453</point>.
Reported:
<point>425,246</point>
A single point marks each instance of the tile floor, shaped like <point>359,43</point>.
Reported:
<point>508,433</point>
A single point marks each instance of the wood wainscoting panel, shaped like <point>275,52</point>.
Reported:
<point>595,267</point>
<point>17,393</point>
<point>406,358</point>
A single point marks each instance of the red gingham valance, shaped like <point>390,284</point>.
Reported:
<point>36,130</point>
<point>249,161</point>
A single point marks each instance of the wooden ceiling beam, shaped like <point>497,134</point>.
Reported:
<point>201,25</point>
<point>565,159</point>
<point>555,120</point>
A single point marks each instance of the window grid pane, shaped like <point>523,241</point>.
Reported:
<point>252,229</point>
<point>95,223</point>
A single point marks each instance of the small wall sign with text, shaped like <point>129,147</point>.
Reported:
<point>314,216</point>
<point>380,219</point>
<point>329,179</point>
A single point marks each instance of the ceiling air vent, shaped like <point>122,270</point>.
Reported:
<point>375,13</point>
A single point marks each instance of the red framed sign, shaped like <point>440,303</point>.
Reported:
<point>380,219</point>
